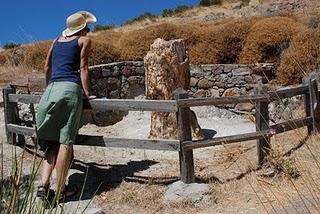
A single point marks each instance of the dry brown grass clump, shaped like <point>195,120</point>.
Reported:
<point>268,38</point>
<point>29,56</point>
<point>35,54</point>
<point>3,58</point>
<point>102,52</point>
<point>134,45</point>
<point>222,43</point>
<point>302,56</point>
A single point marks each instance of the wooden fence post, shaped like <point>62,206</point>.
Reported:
<point>262,124</point>
<point>184,134</point>
<point>10,114</point>
<point>311,101</point>
<point>314,104</point>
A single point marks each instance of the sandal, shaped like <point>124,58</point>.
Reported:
<point>69,191</point>
<point>46,195</point>
<point>43,191</point>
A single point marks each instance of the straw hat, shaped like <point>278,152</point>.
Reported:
<point>78,21</point>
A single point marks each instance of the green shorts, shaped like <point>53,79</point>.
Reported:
<point>59,114</point>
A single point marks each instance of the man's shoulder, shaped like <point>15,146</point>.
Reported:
<point>84,39</point>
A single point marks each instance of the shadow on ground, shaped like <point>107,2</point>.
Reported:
<point>97,178</point>
<point>209,133</point>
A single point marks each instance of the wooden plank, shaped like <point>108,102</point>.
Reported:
<point>134,105</point>
<point>23,130</point>
<point>262,124</point>
<point>288,92</point>
<point>111,104</point>
<point>10,114</point>
<point>226,140</point>
<point>184,134</point>
<point>89,140</point>
<point>165,145</point>
<point>291,124</point>
<point>24,98</point>
<point>207,101</point>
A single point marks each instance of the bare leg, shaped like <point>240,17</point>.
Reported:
<point>49,164</point>
<point>64,158</point>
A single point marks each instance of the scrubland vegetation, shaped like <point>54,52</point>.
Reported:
<point>284,40</point>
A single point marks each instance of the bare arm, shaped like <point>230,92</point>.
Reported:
<point>85,44</point>
<point>47,66</point>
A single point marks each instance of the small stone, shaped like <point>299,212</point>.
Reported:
<point>214,93</point>
<point>244,107</point>
<point>126,71</point>
<point>140,70</point>
<point>205,84</point>
<point>195,192</point>
<point>200,93</point>
<point>193,81</point>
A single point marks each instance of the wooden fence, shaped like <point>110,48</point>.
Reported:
<point>181,105</point>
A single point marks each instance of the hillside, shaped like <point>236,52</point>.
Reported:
<point>284,32</point>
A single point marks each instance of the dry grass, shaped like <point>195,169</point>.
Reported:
<point>220,43</point>
<point>283,40</point>
<point>14,75</point>
<point>302,56</point>
<point>288,184</point>
<point>268,38</point>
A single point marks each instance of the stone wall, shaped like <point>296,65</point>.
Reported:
<point>125,80</point>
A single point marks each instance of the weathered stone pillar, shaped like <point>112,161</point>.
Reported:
<point>166,69</point>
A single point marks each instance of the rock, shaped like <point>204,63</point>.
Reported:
<point>214,93</point>
<point>244,107</point>
<point>126,71</point>
<point>193,81</point>
<point>179,192</point>
<point>231,92</point>
<point>36,83</point>
<point>140,70</point>
<point>205,84</point>
<point>200,93</point>
<point>167,69</point>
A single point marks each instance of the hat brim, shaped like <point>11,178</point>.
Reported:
<point>69,32</point>
<point>90,18</point>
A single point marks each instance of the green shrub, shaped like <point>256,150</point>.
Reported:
<point>167,12</point>
<point>103,27</point>
<point>182,8</point>
<point>141,17</point>
<point>178,9</point>
<point>207,3</point>
<point>10,45</point>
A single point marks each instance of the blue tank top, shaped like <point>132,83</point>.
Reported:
<point>65,61</point>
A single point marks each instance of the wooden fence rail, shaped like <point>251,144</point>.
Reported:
<point>181,105</point>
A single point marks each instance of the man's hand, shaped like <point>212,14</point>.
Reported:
<point>91,97</point>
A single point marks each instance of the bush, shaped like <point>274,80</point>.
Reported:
<point>134,45</point>
<point>102,52</point>
<point>141,17</point>
<point>10,45</point>
<point>35,55</point>
<point>207,3</point>
<point>167,12</point>
<point>301,57</point>
<point>3,59</point>
<point>177,10</point>
<point>182,8</point>
<point>268,38</point>
<point>221,43</point>
<point>102,27</point>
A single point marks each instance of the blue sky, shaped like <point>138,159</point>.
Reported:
<point>26,21</point>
